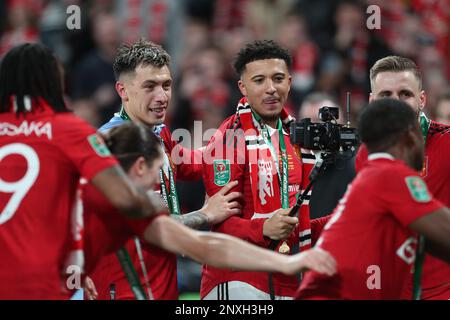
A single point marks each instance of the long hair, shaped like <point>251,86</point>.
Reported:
<point>30,71</point>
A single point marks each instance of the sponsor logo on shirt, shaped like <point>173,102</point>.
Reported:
<point>27,129</point>
<point>222,172</point>
<point>418,189</point>
<point>99,145</point>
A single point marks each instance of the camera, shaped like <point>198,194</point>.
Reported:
<point>327,136</point>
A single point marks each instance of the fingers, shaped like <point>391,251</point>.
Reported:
<point>289,220</point>
<point>90,289</point>
<point>228,187</point>
<point>321,262</point>
<point>234,204</point>
<point>233,212</point>
<point>284,212</point>
<point>232,196</point>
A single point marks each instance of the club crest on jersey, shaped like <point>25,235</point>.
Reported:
<point>222,172</point>
<point>98,145</point>
<point>265,180</point>
<point>418,189</point>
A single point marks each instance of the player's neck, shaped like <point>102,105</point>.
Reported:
<point>271,122</point>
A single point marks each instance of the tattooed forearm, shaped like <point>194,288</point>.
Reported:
<point>194,220</point>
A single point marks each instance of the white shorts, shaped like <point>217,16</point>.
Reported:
<point>238,290</point>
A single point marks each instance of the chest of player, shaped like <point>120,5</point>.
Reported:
<point>269,177</point>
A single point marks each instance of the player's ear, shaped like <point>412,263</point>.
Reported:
<point>121,91</point>
<point>141,166</point>
<point>423,99</point>
<point>242,88</point>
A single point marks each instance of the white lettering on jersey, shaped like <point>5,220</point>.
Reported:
<point>37,128</point>
<point>265,178</point>
<point>294,188</point>
<point>407,251</point>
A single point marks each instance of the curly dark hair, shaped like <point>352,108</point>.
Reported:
<point>261,50</point>
<point>383,120</point>
<point>130,56</point>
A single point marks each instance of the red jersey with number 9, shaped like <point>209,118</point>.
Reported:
<point>42,156</point>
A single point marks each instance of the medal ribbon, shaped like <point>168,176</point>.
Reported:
<point>171,199</point>
<point>420,250</point>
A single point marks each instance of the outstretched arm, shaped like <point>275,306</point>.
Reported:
<point>131,201</point>
<point>223,251</point>
<point>436,229</point>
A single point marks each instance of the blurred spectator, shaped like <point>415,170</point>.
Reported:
<point>160,21</point>
<point>331,185</point>
<point>195,36</point>
<point>93,90</point>
<point>203,91</point>
<point>293,35</point>
<point>346,68</point>
<point>442,110</point>
<point>319,15</point>
<point>316,100</point>
<point>228,15</point>
<point>264,17</point>
<point>21,23</point>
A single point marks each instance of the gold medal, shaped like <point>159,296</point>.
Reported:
<point>284,248</point>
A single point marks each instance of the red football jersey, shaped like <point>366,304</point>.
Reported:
<point>249,225</point>
<point>42,156</point>
<point>105,229</point>
<point>436,173</point>
<point>161,265</point>
<point>368,234</point>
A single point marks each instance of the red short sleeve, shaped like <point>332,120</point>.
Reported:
<point>83,146</point>
<point>407,195</point>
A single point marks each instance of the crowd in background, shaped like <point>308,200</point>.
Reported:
<point>332,50</point>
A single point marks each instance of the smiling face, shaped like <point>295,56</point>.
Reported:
<point>266,84</point>
<point>146,93</point>
<point>399,85</point>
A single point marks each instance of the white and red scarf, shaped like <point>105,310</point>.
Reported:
<point>257,148</point>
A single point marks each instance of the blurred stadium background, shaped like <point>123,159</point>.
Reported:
<point>331,45</point>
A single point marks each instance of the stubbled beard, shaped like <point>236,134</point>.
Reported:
<point>270,118</point>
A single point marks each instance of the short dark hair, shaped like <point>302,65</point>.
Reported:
<point>31,71</point>
<point>383,120</point>
<point>129,141</point>
<point>395,64</point>
<point>261,50</point>
<point>130,56</point>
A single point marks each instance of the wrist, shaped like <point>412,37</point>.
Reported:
<point>207,218</point>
